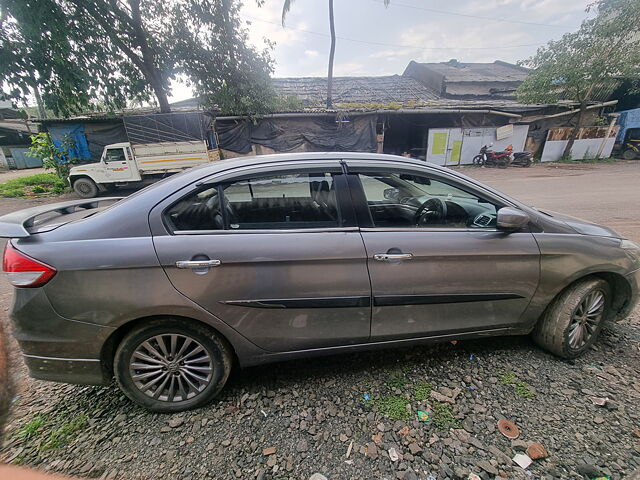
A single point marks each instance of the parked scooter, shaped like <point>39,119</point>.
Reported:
<point>519,159</point>
<point>489,158</point>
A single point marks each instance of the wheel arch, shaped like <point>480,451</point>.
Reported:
<point>110,346</point>
<point>620,289</point>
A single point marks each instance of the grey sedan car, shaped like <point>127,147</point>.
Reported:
<point>270,258</point>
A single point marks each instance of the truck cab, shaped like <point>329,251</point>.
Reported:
<point>123,164</point>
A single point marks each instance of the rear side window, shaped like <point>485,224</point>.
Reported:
<point>287,201</point>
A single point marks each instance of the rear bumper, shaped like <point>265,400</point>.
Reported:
<point>56,348</point>
<point>84,371</point>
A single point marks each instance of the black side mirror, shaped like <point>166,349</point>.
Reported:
<point>511,219</point>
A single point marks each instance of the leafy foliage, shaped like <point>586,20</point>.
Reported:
<point>605,49</point>
<point>106,54</point>
<point>443,416</point>
<point>53,158</point>
<point>392,406</point>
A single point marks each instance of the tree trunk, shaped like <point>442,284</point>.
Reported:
<point>332,53</point>
<point>153,73</point>
<point>575,131</point>
<point>41,110</point>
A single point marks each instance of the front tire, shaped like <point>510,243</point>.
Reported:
<point>85,187</point>
<point>478,160</point>
<point>573,320</point>
<point>171,365</point>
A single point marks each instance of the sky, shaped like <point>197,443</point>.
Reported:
<point>374,40</point>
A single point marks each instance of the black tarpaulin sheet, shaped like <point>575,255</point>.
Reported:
<point>286,134</point>
<point>99,135</point>
<point>167,127</point>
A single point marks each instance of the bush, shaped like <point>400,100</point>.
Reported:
<point>41,184</point>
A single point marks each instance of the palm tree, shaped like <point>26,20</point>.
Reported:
<point>286,6</point>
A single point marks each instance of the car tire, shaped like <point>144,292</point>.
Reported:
<point>85,187</point>
<point>183,380</point>
<point>571,323</point>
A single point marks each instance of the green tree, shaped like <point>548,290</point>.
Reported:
<point>604,50</point>
<point>82,53</point>
<point>54,158</point>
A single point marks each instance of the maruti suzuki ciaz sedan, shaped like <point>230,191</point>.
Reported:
<point>277,257</point>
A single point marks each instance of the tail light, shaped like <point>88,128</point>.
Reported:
<point>24,271</point>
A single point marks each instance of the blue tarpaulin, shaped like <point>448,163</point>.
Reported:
<point>80,150</point>
<point>627,119</point>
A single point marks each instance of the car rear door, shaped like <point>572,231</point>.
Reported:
<point>275,254</point>
<point>460,275</point>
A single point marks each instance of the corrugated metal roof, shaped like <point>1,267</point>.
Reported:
<point>312,91</point>
<point>497,71</point>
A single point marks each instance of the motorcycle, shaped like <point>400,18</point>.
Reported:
<point>489,158</point>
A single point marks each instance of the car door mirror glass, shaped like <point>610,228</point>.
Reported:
<point>391,193</point>
<point>511,219</point>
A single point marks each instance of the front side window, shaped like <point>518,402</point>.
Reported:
<point>403,200</point>
<point>115,155</point>
<point>287,201</point>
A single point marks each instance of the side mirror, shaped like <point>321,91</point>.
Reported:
<point>511,219</point>
<point>391,193</point>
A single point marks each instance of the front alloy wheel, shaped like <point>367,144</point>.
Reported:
<point>573,320</point>
<point>586,319</point>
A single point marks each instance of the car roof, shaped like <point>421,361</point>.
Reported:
<point>256,160</point>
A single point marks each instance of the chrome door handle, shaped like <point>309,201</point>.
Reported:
<point>198,263</point>
<point>385,257</point>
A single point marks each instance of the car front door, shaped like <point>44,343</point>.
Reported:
<point>437,262</point>
<point>275,254</point>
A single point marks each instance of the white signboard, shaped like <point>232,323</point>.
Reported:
<point>504,132</point>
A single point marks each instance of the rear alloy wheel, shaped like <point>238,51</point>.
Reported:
<point>574,319</point>
<point>170,366</point>
<point>85,188</point>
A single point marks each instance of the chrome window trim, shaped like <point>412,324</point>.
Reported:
<point>427,229</point>
<point>267,231</point>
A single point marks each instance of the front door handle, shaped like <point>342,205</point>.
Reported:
<point>198,263</point>
<point>386,257</point>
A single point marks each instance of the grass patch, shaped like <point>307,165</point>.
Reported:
<point>34,186</point>
<point>392,406</point>
<point>65,433</point>
<point>398,381</point>
<point>507,378</point>
<point>522,389</point>
<point>443,417</point>
<point>587,159</point>
<point>44,433</point>
<point>30,429</point>
<point>422,390</point>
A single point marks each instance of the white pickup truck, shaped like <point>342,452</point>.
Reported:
<point>123,164</point>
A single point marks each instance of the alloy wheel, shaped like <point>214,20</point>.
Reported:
<point>586,318</point>
<point>171,367</point>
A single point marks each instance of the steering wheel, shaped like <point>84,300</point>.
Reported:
<point>432,211</point>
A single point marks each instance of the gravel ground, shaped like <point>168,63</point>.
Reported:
<point>291,420</point>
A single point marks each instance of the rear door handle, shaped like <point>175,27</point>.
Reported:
<point>385,257</point>
<point>198,263</point>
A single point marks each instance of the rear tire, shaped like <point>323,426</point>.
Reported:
<point>573,320</point>
<point>629,154</point>
<point>172,365</point>
<point>85,187</point>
